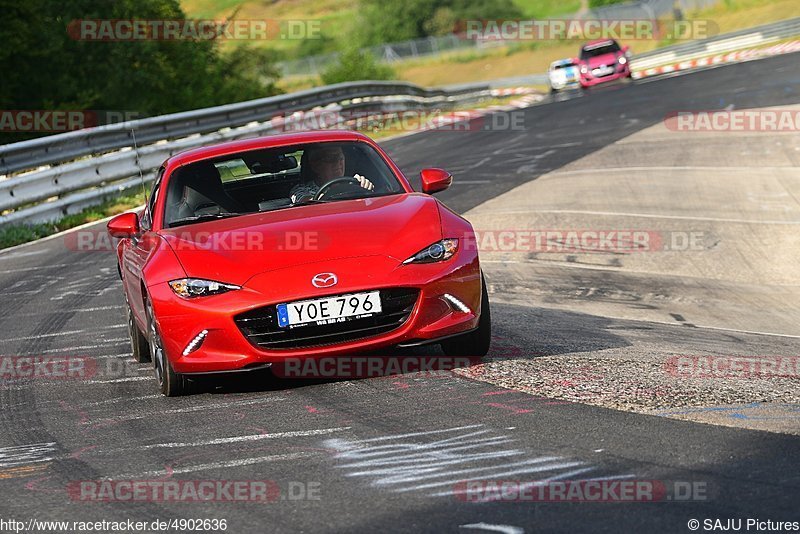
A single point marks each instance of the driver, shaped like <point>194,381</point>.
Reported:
<point>325,164</point>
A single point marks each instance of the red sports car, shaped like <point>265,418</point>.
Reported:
<point>294,246</point>
<point>603,61</point>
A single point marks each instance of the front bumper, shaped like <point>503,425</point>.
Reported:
<point>559,85</point>
<point>620,71</point>
<point>226,348</point>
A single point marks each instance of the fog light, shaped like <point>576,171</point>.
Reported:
<point>195,343</point>
<point>456,304</point>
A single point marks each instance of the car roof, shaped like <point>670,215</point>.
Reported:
<point>256,143</point>
<point>598,43</point>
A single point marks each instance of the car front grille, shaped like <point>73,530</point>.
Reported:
<point>611,72</point>
<point>260,326</point>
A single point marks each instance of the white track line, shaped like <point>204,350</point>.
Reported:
<point>38,268</point>
<point>249,438</point>
<point>119,380</point>
<point>69,351</point>
<point>75,311</point>
<point>503,529</point>
<point>60,234</point>
<point>352,444</point>
<point>214,465</point>
<point>512,472</point>
<point>123,399</point>
<point>188,409</point>
<point>638,215</point>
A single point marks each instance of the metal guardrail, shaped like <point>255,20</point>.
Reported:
<point>57,148</point>
<point>87,166</point>
<point>718,44</point>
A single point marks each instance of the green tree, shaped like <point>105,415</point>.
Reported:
<point>385,22</point>
<point>601,3</point>
<point>355,65</point>
<point>45,68</point>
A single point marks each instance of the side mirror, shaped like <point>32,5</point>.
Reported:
<point>124,225</point>
<point>435,180</point>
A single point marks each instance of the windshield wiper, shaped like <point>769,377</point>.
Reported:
<point>203,217</point>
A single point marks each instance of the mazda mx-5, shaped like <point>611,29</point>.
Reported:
<point>301,245</point>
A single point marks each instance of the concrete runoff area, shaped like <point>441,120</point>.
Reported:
<point>720,216</point>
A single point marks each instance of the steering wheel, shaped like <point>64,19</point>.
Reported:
<point>350,180</point>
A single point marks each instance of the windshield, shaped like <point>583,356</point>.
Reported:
<point>610,47</point>
<point>278,178</point>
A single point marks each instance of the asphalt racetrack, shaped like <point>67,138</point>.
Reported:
<point>575,386</point>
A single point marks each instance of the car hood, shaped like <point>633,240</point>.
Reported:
<point>606,59</point>
<point>236,249</point>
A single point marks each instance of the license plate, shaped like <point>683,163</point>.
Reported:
<point>329,310</point>
<point>603,71</point>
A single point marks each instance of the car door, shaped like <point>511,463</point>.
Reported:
<point>138,250</point>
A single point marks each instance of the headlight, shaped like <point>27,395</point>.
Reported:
<point>439,251</point>
<point>622,60</point>
<point>584,69</point>
<point>195,287</point>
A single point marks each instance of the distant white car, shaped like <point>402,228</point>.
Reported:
<point>563,74</point>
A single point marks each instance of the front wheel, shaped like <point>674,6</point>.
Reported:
<point>475,343</point>
<point>171,383</point>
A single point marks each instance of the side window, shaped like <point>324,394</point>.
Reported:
<point>147,217</point>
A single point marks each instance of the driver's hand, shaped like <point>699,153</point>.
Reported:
<point>300,198</point>
<point>366,184</point>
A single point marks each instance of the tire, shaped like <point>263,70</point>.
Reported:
<point>475,343</point>
<point>139,346</point>
<point>169,382</point>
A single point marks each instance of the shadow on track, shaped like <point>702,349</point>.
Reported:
<point>546,332</point>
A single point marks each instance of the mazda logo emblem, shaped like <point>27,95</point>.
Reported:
<point>324,280</point>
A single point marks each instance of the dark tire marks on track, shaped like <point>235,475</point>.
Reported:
<point>754,472</point>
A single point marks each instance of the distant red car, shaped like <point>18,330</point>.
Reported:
<point>304,245</point>
<point>603,61</point>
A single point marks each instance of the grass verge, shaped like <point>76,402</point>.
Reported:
<point>16,234</point>
<point>470,65</point>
